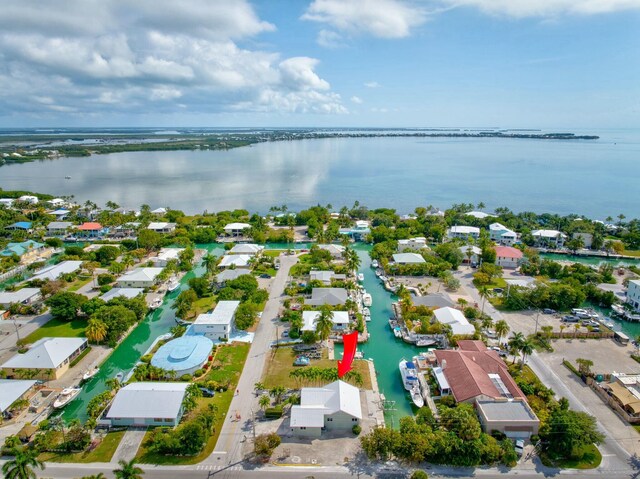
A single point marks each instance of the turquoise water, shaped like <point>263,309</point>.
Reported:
<point>129,351</point>
<point>581,177</point>
<point>590,260</point>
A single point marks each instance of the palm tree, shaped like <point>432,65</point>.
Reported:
<point>264,402</point>
<point>526,349</point>
<point>515,344</point>
<point>113,384</point>
<point>22,464</point>
<point>576,327</point>
<point>276,392</point>
<point>100,475</point>
<point>502,329</point>
<point>485,293</point>
<point>562,328</point>
<point>96,330</point>
<point>547,330</point>
<point>481,206</point>
<point>128,470</point>
<point>210,262</point>
<point>324,323</point>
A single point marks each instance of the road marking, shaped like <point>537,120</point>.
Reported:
<point>217,467</point>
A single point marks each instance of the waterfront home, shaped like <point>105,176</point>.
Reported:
<point>58,229</point>
<point>508,257</point>
<point>230,274</point>
<point>165,255</point>
<point>28,251</point>
<point>408,258</point>
<point>219,323</point>
<point>548,238</point>
<point>335,250</point>
<point>159,211</point>
<point>50,356</point>
<point>587,238</point>
<point>237,229</point>
<point>183,355</point>
<point>60,214</point>
<point>463,232</point>
<point>128,293</point>
<point>6,202</point>
<point>56,203</point>
<point>19,226</point>
<point>460,326</point>
<point>358,232</point>
<point>235,260</point>
<point>330,296</point>
<point>481,215</point>
<point>326,276</point>
<point>147,404</point>
<point>12,390</point>
<point>29,199</point>
<point>53,272</point>
<point>335,407</point>
<point>90,229</point>
<point>22,296</point>
<point>139,278</point>
<point>633,294</point>
<point>470,254</point>
<point>162,227</point>
<point>246,248</point>
<point>433,300</point>
<point>416,243</point>
<point>126,230</point>
<point>512,417</point>
<point>340,320</point>
<point>502,235</point>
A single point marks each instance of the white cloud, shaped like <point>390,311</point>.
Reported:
<point>546,8</point>
<point>111,56</point>
<point>330,39</point>
<point>357,100</point>
<point>380,18</point>
<point>372,84</point>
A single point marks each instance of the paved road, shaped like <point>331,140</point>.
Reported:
<point>25,327</point>
<point>230,443</point>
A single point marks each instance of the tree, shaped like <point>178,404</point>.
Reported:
<point>277,392</point>
<point>22,465</point>
<point>184,302</point>
<point>324,323</point>
<point>485,293</point>
<point>210,263</point>
<point>547,330</point>
<point>149,239</point>
<point>65,305</point>
<point>128,470</point>
<point>584,366</point>
<point>200,286</point>
<point>420,474</point>
<point>246,315</point>
<point>264,402</point>
<point>96,330</point>
<point>574,244</point>
<point>526,349</point>
<point>100,475</point>
<point>571,430</point>
<point>515,343</point>
<point>502,329</point>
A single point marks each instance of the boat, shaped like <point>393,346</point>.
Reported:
<point>301,361</point>
<point>378,273</point>
<point>619,310</point>
<point>409,374</point>
<point>383,278</point>
<point>358,355</point>
<point>360,277</point>
<point>67,177</point>
<point>416,396</point>
<point>156,303</point>
<point>608,324</point>
<point>367,300</point>
<point>397,332</point>
<point>173,285</point>
<point>374,263</point>
<point>89,374</point>
<point>119,376</point>
<point>65,397</point>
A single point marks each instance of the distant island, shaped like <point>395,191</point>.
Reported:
<point>21,146</point>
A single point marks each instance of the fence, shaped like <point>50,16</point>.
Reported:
<point>613,404</point>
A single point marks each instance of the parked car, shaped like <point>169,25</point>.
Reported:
<point>285,333</point>
<point>519,447</point>
<point>498,290</point>
<point>265,275</point>
<point>570,319</point>
<point>548,311</point>
<point>206,392</point>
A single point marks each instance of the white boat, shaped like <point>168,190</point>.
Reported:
<point>409,374</point>
<point>358,355</point>
<point>360,277</point>
<point>367,300</point>
<point>374,263</point>
<point>608,324</point>
<point>416,396</point>
<point>367,314</point>
<point>617,309</point>
<point>378,273</point>
<point>156,303</point>
<point>65,397</point>
<point>89,374</point>
<point>120,376</point>
<point>397,332</point>
<point>173,285</point>
<point>383,278</point>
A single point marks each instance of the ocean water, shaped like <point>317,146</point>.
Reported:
<point>594,178</point>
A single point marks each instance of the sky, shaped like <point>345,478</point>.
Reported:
<point>298,63</point>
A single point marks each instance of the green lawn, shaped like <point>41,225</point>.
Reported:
<point>272,253</point>
<point>202,305</point>
<point>628,252</point>
<point>79,283</point>
<point>103,453</point>
<point>587,458</point>
<point>228,365</point>
<point>57,329</point>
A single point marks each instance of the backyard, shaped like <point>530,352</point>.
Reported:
<point>56,328</point>
<point>102,453</point>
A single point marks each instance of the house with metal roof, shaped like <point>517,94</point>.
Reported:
<point>59,228</point>
<point>548,238</point>
<point>434,300</point>
<point>502,235</point>
<point>335,250</point>
<point>326,276</point>
<point>330,296</point>
<point>460,326</point>
<point>340,320</point>
<point>60,213</point>
<point>463,232</point>
<point>230,274</point>
<point>21,296</point>
<point>246,248</point>
<point>13,389</point>
<point>128,293</point>
<point>335,407</point>
<point>470,254</point>
<point>184,355</point>
<point>27,251</point>
<point>479,215</point>
<point>20,225</point>
<point>139,278</point>
<point>51,356</point>
<point>235,260</point>
<point>162,227</point>
<point>53,272</point>
<point>147,404</point>
<point>416,243</point>
<point>236,229</point>
<point>219,323</point>
<point>165,255</point>
<point>408,258</point>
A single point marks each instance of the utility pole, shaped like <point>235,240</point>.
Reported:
<point>537,315</point>
<point>15,325</point>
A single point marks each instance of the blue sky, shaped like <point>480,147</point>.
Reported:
<point>505,63</point>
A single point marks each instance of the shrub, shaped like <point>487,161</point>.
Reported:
<point>356,429</point>
<point>105,288</point>
<point>104,279</point>
<point>273,412</point>
<point>419,474</point>
<point>499,435</point>
<point>186,377</point>
<point>471,313</point>
<point>266,443</point>
<point>448,401</point>
<point>146,358</point>
<point>198,373</point>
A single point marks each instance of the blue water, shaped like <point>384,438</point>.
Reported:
<point>594,178</point>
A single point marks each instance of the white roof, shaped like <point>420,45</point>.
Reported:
<point>167,254</point>
<point>230,274</point>
<point>238,260</point>
<point>418,239</point>
<point>455,319</point>
<point>335,249</point>
<point>635,281</point>
<point>54,271</point>
<point>246,249</point>
<point>59,225</point>
<point>408,258</point>
<point>325,276</point>
<point>498,227</point>
<point>466,230</point>
<point>479,214</point>
<point>310,317</point>
<point>362,224</point>
<point>11,390</point>
<point>56,201</point>
<point>148,400</point>
<point>159,211</point>
<point>548,233</point>
<point>140,274</point>
<point>160,226</point>
<point>47,353</point>
<point>315,403</point>
<point>441,378</point>
<point>121,292</point>
<point>24,294</point>
<point>330,296</point>
<point>474,250</point>
<point>221,314</point>
<point>237,226</point>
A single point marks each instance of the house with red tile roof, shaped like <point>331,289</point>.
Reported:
<point>90,230</point>
<point>508,257</point>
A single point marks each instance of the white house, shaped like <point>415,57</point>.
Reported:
<point>470,254</point>
<point>162,227</point>
<point>548,238</point>
<point>408,258</point>
<point>159,211</point>
<point>325,276</point>
<point>165,255</point>
<point>454,318</point>
<point>334,407</point>
<point>236,229</point>
<point>587,238</point>
<point>633,294</point>
<point>139,278</point>
<point>479,214</point>
<point>13,389</point>
<point>246,248</point>
<point>335,250</point>
<point>128,293</point>
<point>56,202</point>
<point>50,356</point>
<point>231,274</point>
<point>29,199</point>
<point>508,257</point>
<point>6,202</point>
<point>55,271</point>
<point>340,320</point>
<point>58,228</point>
<point>22,296</point>
<point>463,232</point>
<point>236,260</point>
<point>148,404</point>
<point>330,296</point>
<point>219,323</point>
<point>502,235</point>
<point>412,243</point>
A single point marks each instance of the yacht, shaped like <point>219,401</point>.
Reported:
<point>416,396</point>
<point>374,263</point>
<point>367,314</point>
<point>173,285</point>
<point>367,300</point>
<point>156,303</point>
<point>90,373</point>
<point>65,397</point>
<point>360,277</point>
<point>120,376</point>
<point>619,310</point>
<point>409,374</point>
